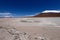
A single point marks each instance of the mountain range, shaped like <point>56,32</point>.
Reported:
<point>49,13</point>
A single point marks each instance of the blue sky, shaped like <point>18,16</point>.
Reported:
<point>27,7</point>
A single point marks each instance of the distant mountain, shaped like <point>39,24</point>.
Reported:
<point>49,13</point>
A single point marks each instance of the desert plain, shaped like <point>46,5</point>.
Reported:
<point>43,28</point>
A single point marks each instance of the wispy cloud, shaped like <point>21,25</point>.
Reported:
<point>6,15</point>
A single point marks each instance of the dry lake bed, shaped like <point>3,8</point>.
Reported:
<point>43,28</point>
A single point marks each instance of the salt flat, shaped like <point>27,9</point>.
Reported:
<point>47,28</point>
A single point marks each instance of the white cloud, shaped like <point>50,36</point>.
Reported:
<point>6,15</point>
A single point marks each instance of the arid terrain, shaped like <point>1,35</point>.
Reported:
<point>47,28</point>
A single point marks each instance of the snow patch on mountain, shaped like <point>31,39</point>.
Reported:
<point>53,11</point>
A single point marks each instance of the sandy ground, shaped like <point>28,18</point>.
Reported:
<point>49,29</point>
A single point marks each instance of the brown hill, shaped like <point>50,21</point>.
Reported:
<point>48,15</point>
